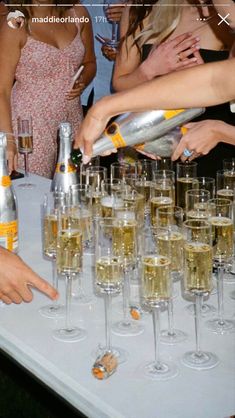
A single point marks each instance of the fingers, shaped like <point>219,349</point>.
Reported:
<point>198,56</point>
<point>178,39</point>
<point>152,156</point>
<point>41,285</point>
<point>188,43</point>
<point>185,63</point>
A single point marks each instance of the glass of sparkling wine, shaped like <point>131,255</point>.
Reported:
<point>51,204</point>
<point>120,170</point>
<point>196,202</point>
<point>169,243</point>
<point>69,264</point>
<point>125,245</point>
<point>155,293</point>
<point>108,278</point>
<point>222,240</point>
<point>185,180</point>
<point>25,145</point>
<point>198,281</point>
<point>207,183</point>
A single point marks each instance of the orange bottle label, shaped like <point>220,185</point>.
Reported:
<point>5,181</point>
<point>168,114</point>
<point>65,168</point>
<point>9,235</point>
<point>113,133</point>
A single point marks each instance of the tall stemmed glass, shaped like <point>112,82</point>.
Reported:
<point>109,278</point>
<point>222,239</point>
<point>25,146</point>
<point>113,42</point>
<point>198,281</point>
<point>225,184</point>
<point>185,180</point>
<point>51,204</point>
<point>69,264</point>
<point>125,245</point>
<point>155,293</point>
<point>169,240</point>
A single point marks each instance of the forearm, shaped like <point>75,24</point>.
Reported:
<point>227,133</point>
<point>204,85</point>
<point>128,81</point>
<point>5,113</point>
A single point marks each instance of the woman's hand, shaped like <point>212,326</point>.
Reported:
<point>109,52</point>
<point>90,130</point>
<point>11,155</point>
<point>200,139</point>
<point>77,90</point>
<point>171,55</point>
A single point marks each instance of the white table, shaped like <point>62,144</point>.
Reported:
<point>66,367</point>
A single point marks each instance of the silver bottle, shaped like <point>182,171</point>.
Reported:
<point>165,145</point>
<point>8,203</point>
<point>65,173</point>
<point>138,128</point>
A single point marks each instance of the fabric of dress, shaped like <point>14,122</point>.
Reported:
<point>212,162</point>
<point>43,76</point>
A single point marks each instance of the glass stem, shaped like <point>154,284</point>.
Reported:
<point>198,307</point>
<point>26,164</point>
<point>156,333</point>
<point>220,293</point>
<point>170,313</point>
<point>107,304</point>
<point>54,277</point>
<point>114,25</point>
<point>68,300</point>
<point>126,296</point>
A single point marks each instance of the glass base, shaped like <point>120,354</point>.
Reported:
<point>226,326</point>
<point>127,329</point>
<point>26,185</point>
<point>161,371</point>
<point>206,309</point>
<point>70,335</point>
<point>177,336</point>
<point>232,295</point>
<point>82,299</point>
<point>229,278</point>
<point>119,353</point>
<point>52,311</point>
<point>205,361</point>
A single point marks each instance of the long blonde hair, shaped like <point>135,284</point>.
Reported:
<point>162,21</point>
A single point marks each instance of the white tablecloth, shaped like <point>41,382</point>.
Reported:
<point>66,367</point>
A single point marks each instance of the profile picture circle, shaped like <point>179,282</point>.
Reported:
<point>15,19</point>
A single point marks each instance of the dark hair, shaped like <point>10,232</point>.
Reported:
<point>138,12</point>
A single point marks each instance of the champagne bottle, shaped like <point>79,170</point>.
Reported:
<point>65,173</point>
<point>8,204</point>
<point>137,128</point>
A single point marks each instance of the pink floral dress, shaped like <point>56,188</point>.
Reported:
<point>43,76</point>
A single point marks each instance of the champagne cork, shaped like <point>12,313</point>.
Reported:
<point>104,366</point>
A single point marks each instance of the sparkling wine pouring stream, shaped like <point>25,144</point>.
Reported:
<point>153,131</point>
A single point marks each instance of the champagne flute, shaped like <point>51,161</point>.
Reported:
<point>108,278</point>
<point>119,170</point>
<point>125,245</point>
<point>69,264</point>
<point>207,183</point>
<point>196,202</point>
<point>165,163</point>
<point>198,281</point>
<point>156,291</point>
<point>185,180</point>
<point>169,241</point>
<point>113,42</point>
<point>25,146</point>
<point>222,239</point>
<point>51,204</point>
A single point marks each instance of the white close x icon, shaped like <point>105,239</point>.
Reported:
<point>223,19</point>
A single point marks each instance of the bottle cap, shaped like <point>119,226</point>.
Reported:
<point>104,366</point>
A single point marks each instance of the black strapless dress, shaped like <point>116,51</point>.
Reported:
<point>209,164</point>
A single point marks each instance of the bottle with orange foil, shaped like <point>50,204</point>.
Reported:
<point>131,129</point>
<point>8,203</point>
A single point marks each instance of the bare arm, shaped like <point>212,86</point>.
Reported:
<point>10,40</point>
<point>16,278</point>
<point>89,60</point>
<point>203,85</point>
